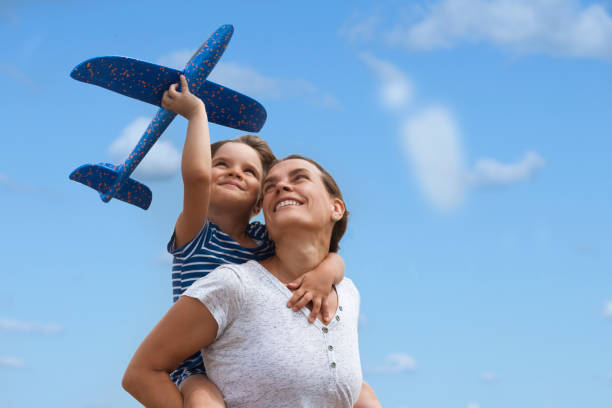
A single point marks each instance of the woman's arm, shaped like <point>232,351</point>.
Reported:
<point>195,162</point>
<point>187,327</point>
<point>316,285</point>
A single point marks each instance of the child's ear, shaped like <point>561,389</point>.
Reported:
<point>255,211</point>
<point>257,208</point>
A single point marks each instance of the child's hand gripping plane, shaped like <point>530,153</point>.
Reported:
<point>147,82</point>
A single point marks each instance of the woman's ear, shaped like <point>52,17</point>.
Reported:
<point>337,209</point>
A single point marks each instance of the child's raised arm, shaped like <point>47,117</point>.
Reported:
<point>316,285</point>
<point>195,163</point>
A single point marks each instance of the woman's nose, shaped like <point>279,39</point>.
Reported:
<point>283,186</point>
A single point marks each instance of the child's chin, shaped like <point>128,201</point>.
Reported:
<point>232,198</point>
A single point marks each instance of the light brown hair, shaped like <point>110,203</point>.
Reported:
<point>256,143</point>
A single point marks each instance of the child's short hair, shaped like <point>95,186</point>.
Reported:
<point>256,143</point>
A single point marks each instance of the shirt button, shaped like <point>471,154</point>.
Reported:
<point>337,318</point>
<point>330,348</point>
<point>325,330</point>
<point>333,365</point>
<point>340,307</point>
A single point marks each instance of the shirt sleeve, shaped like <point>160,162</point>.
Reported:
<point>222,292</point>
<point>185,250</point>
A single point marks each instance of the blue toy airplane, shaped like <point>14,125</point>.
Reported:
<point>147,82</point>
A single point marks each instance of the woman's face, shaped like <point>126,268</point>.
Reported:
<point>294,194</point>
<point>236,174</point>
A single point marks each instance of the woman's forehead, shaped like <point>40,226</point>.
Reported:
<point>292,165</point>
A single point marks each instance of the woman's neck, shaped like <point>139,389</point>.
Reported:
<point>296,254</point>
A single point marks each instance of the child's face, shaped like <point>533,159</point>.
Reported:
<point>236,175</point>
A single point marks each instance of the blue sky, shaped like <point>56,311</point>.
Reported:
<point>472,142</point>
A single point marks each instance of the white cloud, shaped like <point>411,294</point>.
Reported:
<point>250,82</point>
<point>12,362</point>
<point>396,363</point>
<point>607,310</point>
<point>489,172</point>
<point>433,144</point>
<point>15,326</point>
<point>553,27</point>
<point>489,376</point>
<point>396,89</point>
<point>18,75</point>
<point>363,322</point>
<point>162,161</point>
<point>473,405</point>
<point>360,29</point>
<point>164,259</point>
<point>176,59</point>
<point>6,182</point>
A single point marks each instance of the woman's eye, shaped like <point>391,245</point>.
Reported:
<point>300,176</point>
<point>268,188</point>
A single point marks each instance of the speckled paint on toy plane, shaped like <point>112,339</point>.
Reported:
<point>147,82</point>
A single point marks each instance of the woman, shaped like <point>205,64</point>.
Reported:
<point>257,351</point>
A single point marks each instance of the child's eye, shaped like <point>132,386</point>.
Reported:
<point>221,163</point>
<point>250,171</point>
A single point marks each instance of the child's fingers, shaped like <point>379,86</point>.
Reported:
<point>172,92</point>
<point>296,296</point>
<point>184,85</point>
<point>325,311</point>
<point>165,100</point>
<point>296,283</point>
<point>303,301</point>
<point>316,306</point>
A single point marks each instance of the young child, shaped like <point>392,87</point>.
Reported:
<point>222,192</point>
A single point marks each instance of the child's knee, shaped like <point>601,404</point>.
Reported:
<point>199,392</point>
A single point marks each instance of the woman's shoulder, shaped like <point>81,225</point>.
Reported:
<point>347,286</point>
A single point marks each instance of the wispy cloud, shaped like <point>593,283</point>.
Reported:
<point>396,363</point>
<point>395,90</point>
<point>11,362</point>
<point>175,59</point>
<point>18,75</point>
<point>16,326</point>
<point>360,28</point>
<point>249,81</point>
<point>489,377</point>
<point>433,144</point>
<point>522,26</point>
<point>164,259</point>
<point>473,405</point>
<point>607,309</point>
<point>489,172</point>
<point>6,182</point>
<point>161,162</point>
<point>434,147</point>
<point>363,322</point>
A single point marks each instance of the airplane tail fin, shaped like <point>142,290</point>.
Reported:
<point>102,177</point>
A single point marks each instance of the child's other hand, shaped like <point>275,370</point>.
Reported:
<point>307,289</point>
<point>184,102</point>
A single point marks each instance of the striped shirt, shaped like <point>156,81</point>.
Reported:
<point>208,250</point>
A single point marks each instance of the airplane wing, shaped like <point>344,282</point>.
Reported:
<point>147,82</point>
